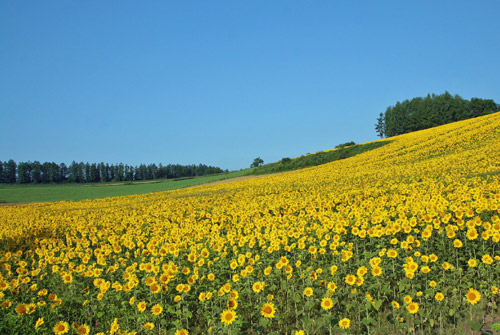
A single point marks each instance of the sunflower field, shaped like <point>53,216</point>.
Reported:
<point>401,239</point>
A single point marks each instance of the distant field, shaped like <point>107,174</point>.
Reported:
<point>25,193</point>
<point>16,193</point>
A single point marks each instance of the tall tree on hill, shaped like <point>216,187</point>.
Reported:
<point>379,126</point>
<point>431,111</point>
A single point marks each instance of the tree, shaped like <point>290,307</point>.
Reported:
<point>431,111</point>
<point>36,172</point>
<point>379,127</point>
<point>24,172</point>
<point>10,171</point>
<point>257,162</point>
<point>63,173</point>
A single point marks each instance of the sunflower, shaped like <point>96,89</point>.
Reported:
<point>412,307</point>
<point>472,263</point>
<point>155,288</point>
<point>326,303</point>
<point>67,279</point>
<point>234,294</point>
<point>114,327</point>
<point>38,323</point>
<point>350,279</point>
<point>268,310</point>
<point>21,309</point>
<point>156,309</point>
<point>141,307</point>
<point>202,296</point>
<point>232,303</point>
<point>308,291</point>
<point>82,330</point>
<point>473,296</point>
<point>344,323</point>
<point>439,296</point>
<point>472,234</point>
<point>376,271</point>
<point>61,328</point>
<point>148,325</point>
<point>228,316</point>
<point>331,286</point>
<point>487,259</point>
<point>257,287</point>
<point>391,253</point>
<point>181,332</point>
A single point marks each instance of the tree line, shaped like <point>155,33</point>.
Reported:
<point>431,111</point>
<point>50,172</point>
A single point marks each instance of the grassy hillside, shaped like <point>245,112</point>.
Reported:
<point>26,193</point>
<point>318,158</point>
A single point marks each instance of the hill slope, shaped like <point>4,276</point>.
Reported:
<point>402,237</point>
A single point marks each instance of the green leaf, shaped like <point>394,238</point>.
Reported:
<point>187,314</point>
<point>308,305</point>
<point>377,304</point>
<point>475,325</point>
<point>451,312</point>
<point>264,322</point>
<point>100,314</point>
<point>368,321</point>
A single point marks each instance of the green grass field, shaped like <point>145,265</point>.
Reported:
<point>15,193</point>
<point>26,193</point>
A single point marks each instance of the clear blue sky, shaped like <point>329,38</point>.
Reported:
<point>223,82</point>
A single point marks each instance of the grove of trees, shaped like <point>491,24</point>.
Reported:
<point>49,172</point>
<point>431,111</point>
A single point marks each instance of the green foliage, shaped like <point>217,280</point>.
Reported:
<point>52,173</point>
<point>343,151</point>
<point>257,162</point>
<point>285,160</point>
<point>431,111</point>
<point>346,144</point>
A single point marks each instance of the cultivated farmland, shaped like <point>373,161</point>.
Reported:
<point>403,238</point>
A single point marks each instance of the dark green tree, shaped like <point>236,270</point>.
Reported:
<point>431,111</point>
<point>24,172</point>
<point>36,172</point>
<point>10,171</point>
<point>257,162</point>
